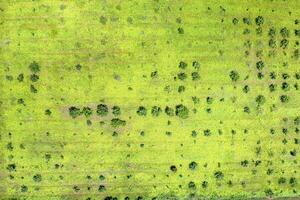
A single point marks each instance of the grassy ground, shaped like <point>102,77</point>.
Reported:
<point>208,93</point>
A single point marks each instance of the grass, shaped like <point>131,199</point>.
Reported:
<point>141,99</point>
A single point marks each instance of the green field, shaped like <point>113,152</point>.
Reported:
<point>149,99</point>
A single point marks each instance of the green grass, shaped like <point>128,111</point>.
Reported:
<point>149,98</point>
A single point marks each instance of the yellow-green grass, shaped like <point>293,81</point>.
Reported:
<point>118,45</point>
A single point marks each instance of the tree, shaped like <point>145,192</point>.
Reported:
<point>37,178</point>
<point>182,65</point>
<point>272,32</point>
<point>284,98</point>
<point>234,75</point>
<point>116,122</point>
<point>142,111</point>
<point>182,76</point>
<point>102,110</point>
<point>101,188</point>
<point>284,32</point>
<point>192,185</point>
<point>297,121</point>
<point>87,111</point>
<point>193,165</point>
<point>156,110</point>
<point>259,20</point>
<point>173,168</point>
<point>244,163</point>
<point>34,67</point>
<point>219,175</point>
<point>260,65</point>
<point>74,112</point>
<point>181,111</point>
<point>20,77</point>
<point>116,110</point>
<point>33,89</point>
<point>34,77</point>
<point>180,30</point>
<point>169,111</point>
<point>196,65</point>
<point>195,76</point>
<point>260,99</point>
